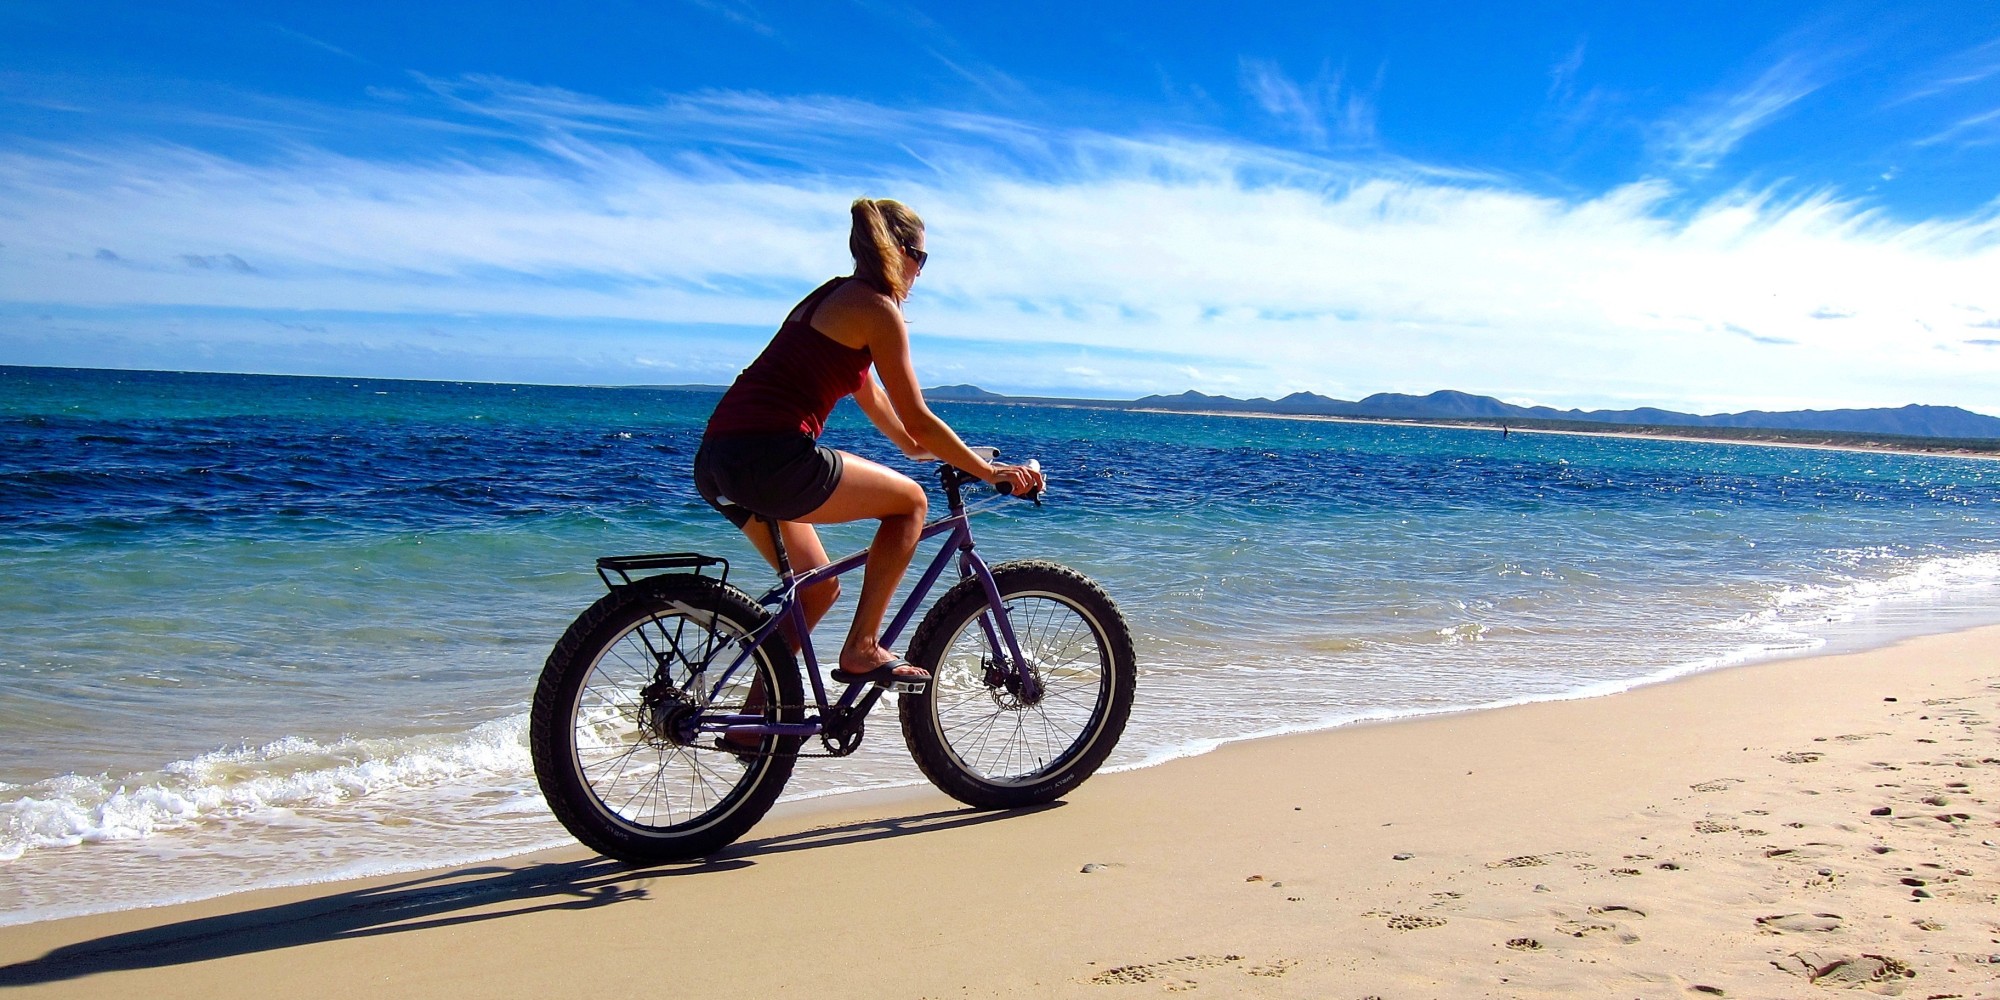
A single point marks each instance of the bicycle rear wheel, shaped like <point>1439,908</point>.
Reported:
<point>975,733</point>
<point>609,728</point>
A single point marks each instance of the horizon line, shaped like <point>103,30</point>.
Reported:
<point>705,386</point>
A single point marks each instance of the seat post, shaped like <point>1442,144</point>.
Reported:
<point>778,546</point>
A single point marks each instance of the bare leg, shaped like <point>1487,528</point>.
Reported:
<point>871,491</point>
<point>803,548</point>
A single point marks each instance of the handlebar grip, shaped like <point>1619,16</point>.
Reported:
<point>1006,489</point>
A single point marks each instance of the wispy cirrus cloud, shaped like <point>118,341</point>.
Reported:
<point>675,229</point>
<point>1562,75</point>
<point>1982,129</point>
<point>741,13</point>
<point>323,46</point>
<point>1701,135</point>
<point>1955,72</point>
<point>1326,109</point>
<point>945,48</point>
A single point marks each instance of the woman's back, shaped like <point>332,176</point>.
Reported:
<point>793,385</point>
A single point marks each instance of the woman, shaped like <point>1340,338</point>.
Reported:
<point>761,454</point>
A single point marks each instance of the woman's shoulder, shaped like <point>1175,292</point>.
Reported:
<point>856,312</point>
<point>858,294</point>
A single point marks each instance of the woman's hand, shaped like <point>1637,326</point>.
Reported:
<point>1021,480</point>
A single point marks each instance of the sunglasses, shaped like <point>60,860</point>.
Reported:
<point>917,255</point>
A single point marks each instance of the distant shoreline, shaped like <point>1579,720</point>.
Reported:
<point>1812,440</point>
<point>1779,439</point>
<point>1865,441</point>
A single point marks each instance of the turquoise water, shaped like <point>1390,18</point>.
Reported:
<point>257,630</point>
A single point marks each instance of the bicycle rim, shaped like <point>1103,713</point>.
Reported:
<point>640,780</point>
<point>996,735</point>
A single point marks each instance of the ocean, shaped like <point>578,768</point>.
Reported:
<point>262,630</point>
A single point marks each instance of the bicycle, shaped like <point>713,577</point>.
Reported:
<point>670,715</point>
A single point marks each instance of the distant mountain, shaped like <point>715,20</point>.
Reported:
<point>963,393</point>
<point>1906,421</point>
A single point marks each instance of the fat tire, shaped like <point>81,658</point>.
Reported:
<point>553,718</point>
<point>958,610</point>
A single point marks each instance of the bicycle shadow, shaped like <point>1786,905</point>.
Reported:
<point>445,899</point>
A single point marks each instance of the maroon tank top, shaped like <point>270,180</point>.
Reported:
<point>794,384</point>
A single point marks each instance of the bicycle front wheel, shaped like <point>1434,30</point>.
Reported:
<point>976,732</point>
<point>612,725</point>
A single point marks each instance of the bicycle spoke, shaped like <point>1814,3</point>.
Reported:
<point>993,732</point>
<point>632,774</point>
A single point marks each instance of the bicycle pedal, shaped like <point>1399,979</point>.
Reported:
<point>908,687</point>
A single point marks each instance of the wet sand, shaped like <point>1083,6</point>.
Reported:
<point>1765,831</point>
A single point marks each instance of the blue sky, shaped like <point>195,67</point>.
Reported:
<point>1704,206</point>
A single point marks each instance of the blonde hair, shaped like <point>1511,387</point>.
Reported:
<point>882,228</point>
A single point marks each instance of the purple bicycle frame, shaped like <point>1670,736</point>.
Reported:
<point>999,631</point>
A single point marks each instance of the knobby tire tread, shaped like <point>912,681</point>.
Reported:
<point>551,724</point>
<point>955,611</point>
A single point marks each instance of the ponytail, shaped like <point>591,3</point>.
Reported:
<point>881,229</point>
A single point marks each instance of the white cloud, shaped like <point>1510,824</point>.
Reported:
<point>1173,263</point>
<point>1324,107</point>
<point>1702,135</point>
<point>1955,71</point>
<point>1982,129</point>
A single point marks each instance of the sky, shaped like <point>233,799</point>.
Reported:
<point>1703,206</point>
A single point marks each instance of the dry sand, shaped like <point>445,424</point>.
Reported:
<point>1770,831</point>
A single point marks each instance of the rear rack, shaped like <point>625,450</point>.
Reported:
<point>672,562</point>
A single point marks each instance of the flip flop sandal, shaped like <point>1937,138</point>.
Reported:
<point>886,676</point>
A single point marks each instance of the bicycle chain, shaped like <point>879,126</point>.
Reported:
<point>823,737</point>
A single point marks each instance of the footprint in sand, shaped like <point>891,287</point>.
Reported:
<point>1172,972</point>
<point>1415,922</point>
<point>1523,861</point>
<point>1175,975</point>
<point>1272,970</point>
<point>1711,826</point>
<point>1823,969</point>
<point>1578,928</point>
<point>1716,785</point>
<point>1524,944</point>
<point>1606,922</point>
<point>1801,757</point>
<point>1799,923</point>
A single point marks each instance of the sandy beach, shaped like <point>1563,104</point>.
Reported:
<point>1764,831</point>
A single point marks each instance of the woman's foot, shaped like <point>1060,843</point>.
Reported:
<point>874,663</point>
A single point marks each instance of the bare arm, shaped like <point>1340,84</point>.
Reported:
<point>889,344</point>
<point>875,403</point>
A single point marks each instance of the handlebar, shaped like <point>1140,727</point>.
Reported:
<point>1006,489</point>
<point>954,477</point>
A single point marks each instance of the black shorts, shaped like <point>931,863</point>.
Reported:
<point>780,476</point>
